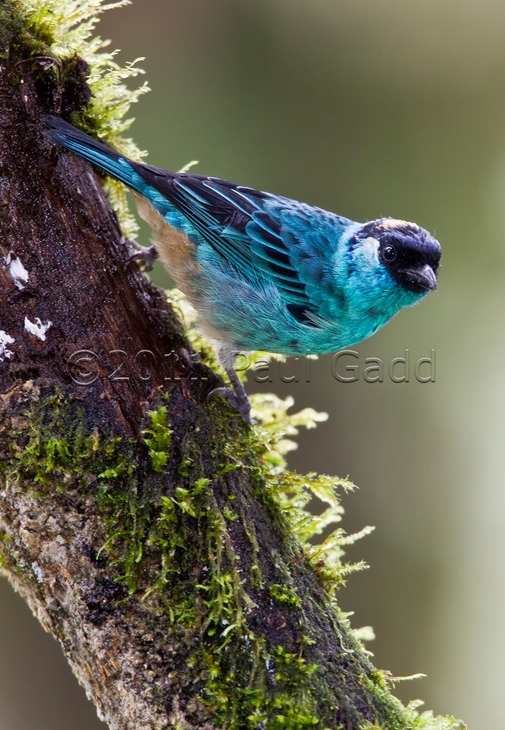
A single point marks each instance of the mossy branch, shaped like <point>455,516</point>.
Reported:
<point>152,533</point>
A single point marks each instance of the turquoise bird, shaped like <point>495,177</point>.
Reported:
<point>265,272</point>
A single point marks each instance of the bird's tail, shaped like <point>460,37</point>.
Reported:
<point>99,154</point>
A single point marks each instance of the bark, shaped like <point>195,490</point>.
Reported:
<point>151,546</point>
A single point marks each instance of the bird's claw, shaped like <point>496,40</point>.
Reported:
<point>241,405</point>
<point>143,256</point>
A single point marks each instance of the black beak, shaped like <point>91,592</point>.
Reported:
<point>419,280</point>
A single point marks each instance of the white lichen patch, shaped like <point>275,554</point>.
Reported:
<point>38,572</point>
<point>17,271</point>
<point>37,328</point>
<point>5,339</point>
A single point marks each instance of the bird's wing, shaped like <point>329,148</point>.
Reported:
<point>247,228</point>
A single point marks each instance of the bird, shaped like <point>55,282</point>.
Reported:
<point>265,272</point>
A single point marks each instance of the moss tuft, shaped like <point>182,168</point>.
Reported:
<point>285,594</point>
<point>158,438</point>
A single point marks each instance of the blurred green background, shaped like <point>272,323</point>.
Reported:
<point>385,107</point>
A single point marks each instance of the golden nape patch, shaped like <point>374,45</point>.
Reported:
<point>392,223</point>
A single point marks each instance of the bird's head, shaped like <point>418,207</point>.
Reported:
<point>405,254</point>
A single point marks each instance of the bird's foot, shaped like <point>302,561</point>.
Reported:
<point>143,256</point>
<point>239,402</point>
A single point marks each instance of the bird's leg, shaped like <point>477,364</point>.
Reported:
<point>236,395</point>
<point>144,256</point>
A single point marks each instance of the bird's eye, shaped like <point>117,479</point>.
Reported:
<point>389,253</point>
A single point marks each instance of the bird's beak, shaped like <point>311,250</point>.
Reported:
<point>424,278</point>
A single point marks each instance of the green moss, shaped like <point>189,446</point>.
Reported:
<point>402,717</point>
<point>285,594</point>
<point>158,438</point>
<point>56,448</point>
<point>294,706</point>
<point>176,546</point>
<point>242,695</point>
<point>16,36</point>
